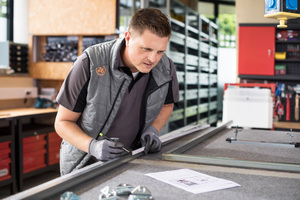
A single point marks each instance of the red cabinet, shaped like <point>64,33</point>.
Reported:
<point>256,50</point>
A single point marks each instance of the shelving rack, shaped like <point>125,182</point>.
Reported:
<point>193,47</point>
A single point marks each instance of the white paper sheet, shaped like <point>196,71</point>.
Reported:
<point>192,181</point>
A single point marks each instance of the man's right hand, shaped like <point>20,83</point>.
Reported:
<point>105,150</point>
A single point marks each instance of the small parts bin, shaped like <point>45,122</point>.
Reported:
<point>249,105</point>
<point>5,161</point>
<point>34,153</point>
<point>54,148</point>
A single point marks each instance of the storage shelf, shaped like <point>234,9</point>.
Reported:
<point>177,22</point>
<point>287,60</point>
<point>204,35</point>
<point>193,29</point>
<point>272,78</point>
<point>287,125</point>
<point>196,57</point>
<point>287,42</point>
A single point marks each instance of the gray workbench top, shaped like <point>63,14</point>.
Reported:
<point>255,184</point>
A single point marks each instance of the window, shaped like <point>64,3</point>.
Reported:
<point>3,20</point>
<point>227,25</point>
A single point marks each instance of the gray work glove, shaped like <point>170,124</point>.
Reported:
<point>150,140</point>
<point>105,150</point>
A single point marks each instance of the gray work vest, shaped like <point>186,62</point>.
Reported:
<point>106,89</point>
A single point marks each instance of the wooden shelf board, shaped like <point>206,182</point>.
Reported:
<point>19,112</point>
<point>72,17</point>
<point>287,125</point>
<point>50,70</point>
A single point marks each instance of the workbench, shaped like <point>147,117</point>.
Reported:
<point>255,183</point>
<point>30,125</point>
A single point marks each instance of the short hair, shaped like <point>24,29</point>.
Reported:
<point>151,19</point>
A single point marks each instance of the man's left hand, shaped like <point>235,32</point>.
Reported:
<point>150,140</point>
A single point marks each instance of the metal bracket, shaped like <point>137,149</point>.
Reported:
<point>281,144</point>
<point>235,135</point>
<point>107,195</point>
<point>124,189</point>
<point>140,193</point>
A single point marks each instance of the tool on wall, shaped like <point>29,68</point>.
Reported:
<point>279,108</point>
<point>297,107</point>
<point>288,117</point>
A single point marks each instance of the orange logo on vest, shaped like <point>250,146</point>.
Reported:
<point>101,70</point>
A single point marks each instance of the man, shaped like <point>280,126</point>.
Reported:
<point>121,89</point>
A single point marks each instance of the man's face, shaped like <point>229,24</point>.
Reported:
<point>144,51</point>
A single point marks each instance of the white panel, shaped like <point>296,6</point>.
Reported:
<point>248,107</point>
<point>18,93</point>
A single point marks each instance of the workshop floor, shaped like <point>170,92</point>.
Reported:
<point>31,182</point>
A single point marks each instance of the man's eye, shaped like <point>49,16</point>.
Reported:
<point>160,52</point>
<point>145,49</point>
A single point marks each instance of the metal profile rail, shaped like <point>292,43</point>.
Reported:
<point>230,162</point>
<point>177,156</point>
<point>63,183</point>
<point>193,142</point>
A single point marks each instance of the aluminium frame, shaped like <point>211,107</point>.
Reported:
<point>177,155</point>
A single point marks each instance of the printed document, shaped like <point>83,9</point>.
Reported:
<point>192,181</point>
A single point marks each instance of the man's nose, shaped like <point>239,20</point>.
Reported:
<point>152,57</point>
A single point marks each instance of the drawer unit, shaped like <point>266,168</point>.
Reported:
<point>176,115</point>
<point>192,43</point>
<point>191,78</point>
<point>54,148</point>
<point>204,47</point>
<point>5,169</point>
<point>213,64</point>
<point>192,60</point>
<point>54,154</point>
<point>213,118</point>
<point>177,38</point>
<point>181,95</point>
<point>180,76</point>
<point>5,161</point>
<point>213,105</point>
<point>191,111</point>
<point>34,153</point>
<point>203,120</point>
<point>203,93</point>
<point>204,62</point>
<point>192,94</point>
<point>213,92</point>
<point>177,57</point>
<point>5,150</point>
<point>204,80</point>
<point>34,160</point>
<point>203,107</point>
<point>213,51</point>
<point>213,78</point>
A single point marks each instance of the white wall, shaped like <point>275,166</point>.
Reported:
<point>21,34</point>
<point>227,71</point>
<point>3,23</point>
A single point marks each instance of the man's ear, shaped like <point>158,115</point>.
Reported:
<point>127,37</point>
